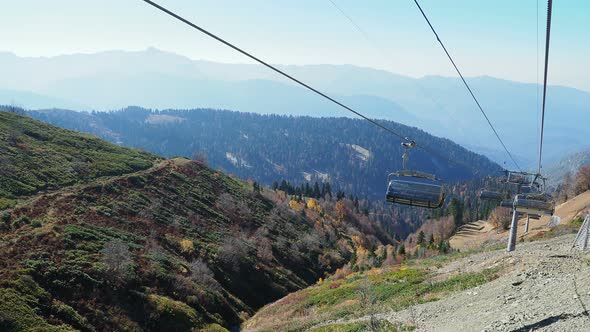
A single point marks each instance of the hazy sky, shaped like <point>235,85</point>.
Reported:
<point>496,38</point>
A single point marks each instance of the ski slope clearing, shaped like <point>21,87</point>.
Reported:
<point>473,235</point>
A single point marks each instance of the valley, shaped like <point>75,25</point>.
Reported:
<point>102,236</point>
<point>296,166</point>
<point>538,287</point>
<point>173,246</point>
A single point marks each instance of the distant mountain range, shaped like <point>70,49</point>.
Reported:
<point>569,164</point>
<point>351,154</point>
<point>440,105</point>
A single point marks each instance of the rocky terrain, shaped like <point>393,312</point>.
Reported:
<point>544,288</point>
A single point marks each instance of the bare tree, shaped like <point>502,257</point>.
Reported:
<point>116,257</point>
<point>583,180</point>
<point>202,275</point>
<point>264,250</point>
<point>232,252</point>
<point>226,203</point>
<point>501,218</point>
<point>200,158</point>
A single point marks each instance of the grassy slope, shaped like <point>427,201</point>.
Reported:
<point>36,156</point>
<point>396,288</point>
<point>362,294</point>
<point>53,272</point>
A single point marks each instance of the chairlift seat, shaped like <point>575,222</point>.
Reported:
<point>538,203</point>
<point>488,195</point>
<point>415,189</point>
<point>508,204</point>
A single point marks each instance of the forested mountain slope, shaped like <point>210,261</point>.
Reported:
<point>351,154</point>
<point>169,246</point>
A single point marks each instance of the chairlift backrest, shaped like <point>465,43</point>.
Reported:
<point>538,203</point>
<point>415,189</point>
<point>508,204</point>
<point>489,195</point>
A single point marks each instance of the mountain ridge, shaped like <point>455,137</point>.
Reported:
<point>299,144</point>
<point>437,104</point>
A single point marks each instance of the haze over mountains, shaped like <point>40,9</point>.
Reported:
<point>440,105</point>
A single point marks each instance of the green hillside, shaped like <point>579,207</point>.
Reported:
<point>36,156</point>
<point>172,247</point>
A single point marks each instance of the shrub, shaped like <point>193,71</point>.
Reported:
<point>69,315</point>
<point>23,220</point>
<point>187,246</point>
<point>214,328</point>
<point>6,203</point>
<point>501,218</point>
<point>342,272</point>
<point>105,211</point>
<point>80,210</point>
<point>170,315</point>
<point>36,223</point>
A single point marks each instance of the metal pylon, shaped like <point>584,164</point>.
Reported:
<point>581,242</point>
<point>513,231</point>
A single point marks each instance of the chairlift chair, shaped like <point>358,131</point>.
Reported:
<point>414,188</point>
<point>489,195</point>
<point>535,202</point>
<point>491,192</point>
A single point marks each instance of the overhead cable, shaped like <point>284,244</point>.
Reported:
<point>223,41</point>
<point>547,37</point>
<point>467,85</point>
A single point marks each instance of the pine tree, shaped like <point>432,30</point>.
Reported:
<point>316,190</point>
<point>283,186</point>
<point>421,238</point>
<point>401,250</point>
<point>326,190</point>
<point>353,259</point>
<point>382,258</point>
<point>456,209</point>
<point>307,191</point>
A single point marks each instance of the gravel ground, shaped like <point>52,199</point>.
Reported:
<point>545,287</point>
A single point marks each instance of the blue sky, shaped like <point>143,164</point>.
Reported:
<point>495,38</point>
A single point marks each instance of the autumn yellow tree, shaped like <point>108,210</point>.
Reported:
<point>187,246</point>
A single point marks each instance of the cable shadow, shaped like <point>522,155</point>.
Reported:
<point>547,321</point>
<point>585,312</point>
